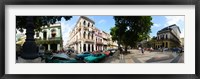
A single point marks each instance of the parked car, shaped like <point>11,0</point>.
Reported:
<point>107,53</point>
<point>82,55</point>
<point>112,51</point>
<point>60,58</point>
<point>94,58</point>
<point>70,51</point>
<point>97,51</point>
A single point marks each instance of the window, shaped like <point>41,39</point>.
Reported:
<point>92,36</point>
<point>88,24</point>
<point>84,22</point>
<point>37,34</point>
<point>166,37</point>
<point>44,34</point>
<point>84,35</point>
<point>53,33</point>
<point>88,35</point>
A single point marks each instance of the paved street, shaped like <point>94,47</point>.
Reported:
<point>136,56</point>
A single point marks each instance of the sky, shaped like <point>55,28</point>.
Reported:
<point>104,23</point>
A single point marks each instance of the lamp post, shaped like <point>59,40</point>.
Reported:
<point>30,50</point>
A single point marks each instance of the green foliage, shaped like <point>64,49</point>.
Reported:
<point>48,42</point>
<point>38,21</point>
<point>129,30</point>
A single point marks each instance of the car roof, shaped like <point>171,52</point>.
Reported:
<point>62,55</point>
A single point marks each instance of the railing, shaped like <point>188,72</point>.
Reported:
<point>54,38</point>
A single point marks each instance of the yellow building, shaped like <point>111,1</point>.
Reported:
<point>168,37</point>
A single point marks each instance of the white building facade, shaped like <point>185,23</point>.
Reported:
<point>82,37</point>
<point>86,37</point>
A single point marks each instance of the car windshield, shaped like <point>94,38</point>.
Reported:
<point>86,53</point>
<point>96,55</point>
<point>58,58</point>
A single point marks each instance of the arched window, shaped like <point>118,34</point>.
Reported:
<point>88,24</point>
<point>92,36</point>
<point>44,34</point>
<point>83,34</point>
<point>88,35</point>
<point>84,22</point>
<point>53,33</point>
<point>37,34</point>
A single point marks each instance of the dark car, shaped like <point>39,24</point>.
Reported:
<point>60,58</point>
<point>82,55</point>
<point>112,51</point>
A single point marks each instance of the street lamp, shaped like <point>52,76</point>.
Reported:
<point>30,50</point>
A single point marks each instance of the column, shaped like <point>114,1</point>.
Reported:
<point>94,46</point>
<point>49,47</point>
<point>75,47</point>
<point>90,47</point>
<point>82,46</point>
<point>78,50</point>
<point>86,47</point>
<point>58,46</point>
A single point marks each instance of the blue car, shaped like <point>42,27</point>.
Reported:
<point>94,58</point>
<point>82,55</point>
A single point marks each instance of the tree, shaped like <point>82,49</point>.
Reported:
<point>31,23</point>
<point>38,21</point>
<point>129,30</point>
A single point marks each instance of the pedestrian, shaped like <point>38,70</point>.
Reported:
<point>151,49</point>
<point>142,50</point>
<point>139,49</point>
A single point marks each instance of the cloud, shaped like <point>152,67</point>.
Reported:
<point>156,25</point>
<point>102,21</point>
<point>174,20</point>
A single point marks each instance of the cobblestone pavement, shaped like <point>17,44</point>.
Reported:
<point>135,56</point>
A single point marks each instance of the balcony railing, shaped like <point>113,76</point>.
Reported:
<point>55,38</point>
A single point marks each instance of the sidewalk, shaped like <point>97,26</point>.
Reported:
<point>136,56</point>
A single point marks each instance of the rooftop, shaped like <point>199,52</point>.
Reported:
<point>169,28</point>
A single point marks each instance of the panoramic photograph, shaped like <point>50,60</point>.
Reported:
<point>100,39</point>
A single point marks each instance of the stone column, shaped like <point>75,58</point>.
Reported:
<point>58,46</point>
<point>82,46</point>
<point>94,46</point>
<point>90,47</point>
<point>48,46</point>
<point>86,47</point>
<point>78,50</point>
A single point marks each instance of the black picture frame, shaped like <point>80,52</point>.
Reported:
<point>100,2</point>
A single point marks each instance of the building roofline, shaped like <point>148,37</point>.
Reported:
<point>168,28</point>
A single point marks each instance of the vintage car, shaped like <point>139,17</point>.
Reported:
<point>94,58</point>
<point>82,55</point>
<point>107,53</point>
<point>112,51</point>
<point>60,58</point>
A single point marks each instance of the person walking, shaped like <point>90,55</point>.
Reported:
<point>142,50</point>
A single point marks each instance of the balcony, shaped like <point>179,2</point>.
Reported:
<point>99,42</point>
<point>55,38</point>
